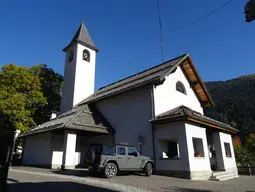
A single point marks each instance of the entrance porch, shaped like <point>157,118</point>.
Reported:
<point>191,147</point>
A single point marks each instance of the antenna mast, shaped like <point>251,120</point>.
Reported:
<point>161,34</point>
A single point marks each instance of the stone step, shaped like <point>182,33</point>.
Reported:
<point>218,173</point>
<point>222,175</point>
<point>221,179</point>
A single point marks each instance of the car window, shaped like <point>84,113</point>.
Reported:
<point>121,151</point>
<point>132,151</point>
<point>109,150</point>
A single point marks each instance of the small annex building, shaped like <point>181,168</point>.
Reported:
<point>159,111</point>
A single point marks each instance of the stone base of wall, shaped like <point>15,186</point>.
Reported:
<point>67,167</point>
<point>193,175</point>
<point>55,166</point>
<point>232,170</point>
<point>200,175</point>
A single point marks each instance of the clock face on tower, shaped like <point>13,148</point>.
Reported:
<point>86,55</point>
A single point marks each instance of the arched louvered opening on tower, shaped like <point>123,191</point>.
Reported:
<point>86,55</point>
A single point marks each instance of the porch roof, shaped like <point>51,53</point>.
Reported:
<point>84,118</point>
<point>183,113</point>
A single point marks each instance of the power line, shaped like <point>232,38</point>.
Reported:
<point>161,33</point>
<point>201,18</point>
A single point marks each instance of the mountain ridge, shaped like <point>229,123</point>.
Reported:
<point>234,102</point>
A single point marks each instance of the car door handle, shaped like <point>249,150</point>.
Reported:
<point>128,158</point>
<point>119,157</point>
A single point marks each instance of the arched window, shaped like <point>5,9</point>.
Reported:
<point>70,56</point>
<point>86,55</point>
<point>180,87</point>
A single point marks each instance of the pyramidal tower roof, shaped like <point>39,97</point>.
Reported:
<point>82,36</point>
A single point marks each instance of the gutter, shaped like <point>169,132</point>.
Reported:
<point>152,126</point>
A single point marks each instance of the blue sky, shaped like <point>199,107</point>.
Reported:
<point>127,34</point>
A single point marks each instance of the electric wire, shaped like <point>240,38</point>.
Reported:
<point>203,17</point>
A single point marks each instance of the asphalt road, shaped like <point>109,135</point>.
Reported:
<point>26,179</point>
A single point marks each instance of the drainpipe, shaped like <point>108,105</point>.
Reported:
<point>113,138</point>
<point>152,126</point>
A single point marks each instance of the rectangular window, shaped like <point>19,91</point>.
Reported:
<point>170,149</point>
<point>109,150</point>
<point>121,151</point>
<point>198,147</point>
<point>132,151</point>
<point>227,150</point>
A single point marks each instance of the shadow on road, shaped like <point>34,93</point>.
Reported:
<point>53,187</point>
<point>85,173</point>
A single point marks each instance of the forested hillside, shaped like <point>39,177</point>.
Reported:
<point>234,102</point>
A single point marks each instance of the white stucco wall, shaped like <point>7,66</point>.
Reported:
<point>37,149</point>
<point>166,97</point>
<point>79,77</point>
<point>197,163</point>
<point>129,114</point>
<point>223,161</point>
<point>172,131</point>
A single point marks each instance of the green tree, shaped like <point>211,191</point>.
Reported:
<point>242,153</point>
<point>250,143</point>
<point>20,95</point>
<point>51,85</point>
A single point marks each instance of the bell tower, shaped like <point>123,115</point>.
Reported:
<point>79,74</point>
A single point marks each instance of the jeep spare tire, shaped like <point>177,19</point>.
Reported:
<point>90,157</point>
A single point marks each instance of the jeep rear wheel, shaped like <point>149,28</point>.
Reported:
<point>110,170</point>
<point>148,169</point>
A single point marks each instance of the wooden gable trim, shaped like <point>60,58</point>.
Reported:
<point>210,125</point>
<point>196,82</point>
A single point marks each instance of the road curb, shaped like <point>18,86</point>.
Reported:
<point>93,182</point>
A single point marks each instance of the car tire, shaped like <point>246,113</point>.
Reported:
<point>90,157</point>
<point>148,169</point>
<point>110,170</point>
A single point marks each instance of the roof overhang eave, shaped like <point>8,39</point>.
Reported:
<point>168,119</point>
<point>200,81</point>
<point>213,125</point>
<point>82,43</point>
<point>43,130</point>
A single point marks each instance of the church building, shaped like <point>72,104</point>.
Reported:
<point>159,111</point>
